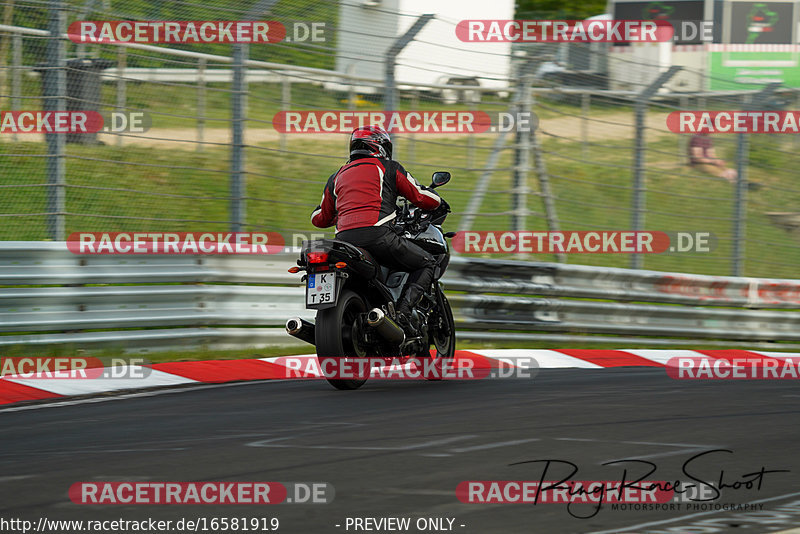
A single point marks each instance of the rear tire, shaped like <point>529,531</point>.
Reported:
<point>336,334</point>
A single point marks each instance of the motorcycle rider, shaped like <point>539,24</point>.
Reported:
<point>360,199</point>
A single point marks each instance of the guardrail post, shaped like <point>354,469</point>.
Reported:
<point>201,103</point>
<point>390,98</point>
<point>122,63</point>
<point>639,187</point>
<point>238,96</point>
<point>55,86</point>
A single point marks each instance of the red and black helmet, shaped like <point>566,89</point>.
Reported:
<point>371,141</point>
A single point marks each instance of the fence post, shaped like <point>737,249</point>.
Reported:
<point>55,85</point>
<point>238,95</point>
<point>639,188</point>
<point>351,87</point>
<point>683,143</point>
<point>585,103</point>
<point>201,103</point>
<point>390,98</point>
<point>286,105</point>
<point>122,63</point>
<point>740,200</point>
<point>470,139</point>
<point>544,187</point>
<point>796,138</point>
<point>412,139</point>
<point>16,73</point>
<point>482,185</point>
<point>522,150</point>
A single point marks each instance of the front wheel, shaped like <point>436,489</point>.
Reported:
<point>337,334</point>
<point>442,333</point>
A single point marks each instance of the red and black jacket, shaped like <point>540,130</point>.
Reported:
<point>364,193</point>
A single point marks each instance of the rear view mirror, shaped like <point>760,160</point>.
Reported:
<point>440,178</point>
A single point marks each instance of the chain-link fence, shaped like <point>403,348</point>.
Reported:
<point>602,157</point>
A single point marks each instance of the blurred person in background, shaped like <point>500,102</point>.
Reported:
<point>703,157</point>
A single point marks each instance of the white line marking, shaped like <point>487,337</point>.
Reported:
<point>547,359</point>
<point>687,448</point>
<point>267,444</point>
<point>494,445</point>
<point>682,518</point>
<point>75,402</point>
<point>15,477</point>
<point>87,386</point>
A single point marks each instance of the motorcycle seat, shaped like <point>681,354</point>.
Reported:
<point>380,271</point>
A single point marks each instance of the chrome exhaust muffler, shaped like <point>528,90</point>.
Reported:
<point>385,327</point>
<point>301,329</point>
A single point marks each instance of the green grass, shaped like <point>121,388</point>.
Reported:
<point>205,353</point>
<point>119,189</point>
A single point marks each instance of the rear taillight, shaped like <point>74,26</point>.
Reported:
<point>317,257</point>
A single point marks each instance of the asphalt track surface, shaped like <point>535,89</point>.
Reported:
<point>397,449</point>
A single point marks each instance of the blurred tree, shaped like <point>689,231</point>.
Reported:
<point>560,9</point>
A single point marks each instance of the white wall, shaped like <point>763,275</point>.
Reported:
<point>440,56</point>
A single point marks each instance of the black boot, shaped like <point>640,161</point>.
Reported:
<point>405,304</point>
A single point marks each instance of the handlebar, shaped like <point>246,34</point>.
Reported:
<point>414,219</point>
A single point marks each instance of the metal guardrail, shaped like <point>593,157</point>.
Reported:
<point>51,295</point>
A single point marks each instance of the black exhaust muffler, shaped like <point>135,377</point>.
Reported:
<point>301,329</point>
<point>385,327</point>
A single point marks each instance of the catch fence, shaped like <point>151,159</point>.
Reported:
<point>602,157</point>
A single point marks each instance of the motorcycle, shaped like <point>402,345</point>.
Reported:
<point>355,299</point>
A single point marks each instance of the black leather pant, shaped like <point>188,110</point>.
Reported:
<point>393,251</point>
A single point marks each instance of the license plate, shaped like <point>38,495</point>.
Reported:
<point>321,288</point>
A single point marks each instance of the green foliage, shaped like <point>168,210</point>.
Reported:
<point>773,151</point>
<point>559,9</point>
<point>320,55</point>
